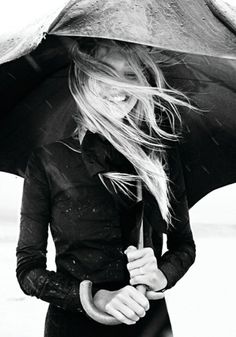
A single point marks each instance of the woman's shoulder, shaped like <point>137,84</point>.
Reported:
<point>56,153</point>
<point>58,147</point>
<point>69,144</point>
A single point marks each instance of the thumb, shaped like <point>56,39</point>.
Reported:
<point>130,249</point>
<point>155,295</point>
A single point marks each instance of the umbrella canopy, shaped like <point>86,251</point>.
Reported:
<point>36,105</point>
<point>23,25</point>
<point>178,25</point>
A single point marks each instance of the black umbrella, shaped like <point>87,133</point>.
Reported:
<point>36,108</point>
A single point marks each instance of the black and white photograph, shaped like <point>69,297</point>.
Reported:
<point>118,168</point>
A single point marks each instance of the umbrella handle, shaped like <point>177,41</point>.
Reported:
<point>142,289</point>
<point>90,308</point>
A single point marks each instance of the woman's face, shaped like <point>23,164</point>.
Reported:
<point>111,56</point>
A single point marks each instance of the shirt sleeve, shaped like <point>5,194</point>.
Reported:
<point>180,244</point>
<point>32,275</point>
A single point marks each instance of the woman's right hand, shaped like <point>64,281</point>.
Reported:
<point>127,304</point>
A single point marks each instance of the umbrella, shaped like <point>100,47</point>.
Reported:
<point>36,106</point>
<point>178,25</point>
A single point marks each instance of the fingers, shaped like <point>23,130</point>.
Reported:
<point>130,249</point>
<point>152,295</point>
<point>135,254</point>
<point>118,315</point>
<point>154,280</point>
<point>139,298</point>
<point>128,305</point>
<point>142,262</point>
<point>138,258</point>
<point>148,280</point>
<point>143,268</point>
<point>132,309</point>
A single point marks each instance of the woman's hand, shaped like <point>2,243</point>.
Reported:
<point>143,269</point>
<point>127,304</point>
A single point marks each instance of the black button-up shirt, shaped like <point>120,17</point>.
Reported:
<point>62,190</point>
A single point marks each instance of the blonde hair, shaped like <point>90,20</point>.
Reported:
<point>139,136</point>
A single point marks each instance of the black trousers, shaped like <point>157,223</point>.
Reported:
<point>60,323</point>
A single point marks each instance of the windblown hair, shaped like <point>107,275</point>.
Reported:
<point>140,135</point>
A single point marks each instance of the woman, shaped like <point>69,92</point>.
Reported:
<point>85,188</point>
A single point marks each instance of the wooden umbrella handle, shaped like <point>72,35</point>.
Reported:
<point>142,289</point>
<point>91,309</point>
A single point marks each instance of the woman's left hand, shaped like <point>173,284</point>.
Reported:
<point>143,269</point>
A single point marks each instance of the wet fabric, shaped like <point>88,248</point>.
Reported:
<point>164,24</point>
<point>23,25</point>
<point>60,323</point>
<point>62,191</point>
<point>178,25</point>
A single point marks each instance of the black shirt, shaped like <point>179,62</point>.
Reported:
<point>62,190</point>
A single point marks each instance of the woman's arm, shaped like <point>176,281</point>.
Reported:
<point>181,247</point>
<point>142,264</point>
<point>126,304</point>
<point>32,275</point>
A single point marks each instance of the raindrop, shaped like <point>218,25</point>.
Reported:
<point>218,122</point>
<point>188,168</point>
<point>12,76</point>
<point>33,63</point>
<point>188,129</point>
<point>48,103</point>
<point>205,169</point>
<point>215,141</point>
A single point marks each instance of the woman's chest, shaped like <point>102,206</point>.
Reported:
<point>82,208</point>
